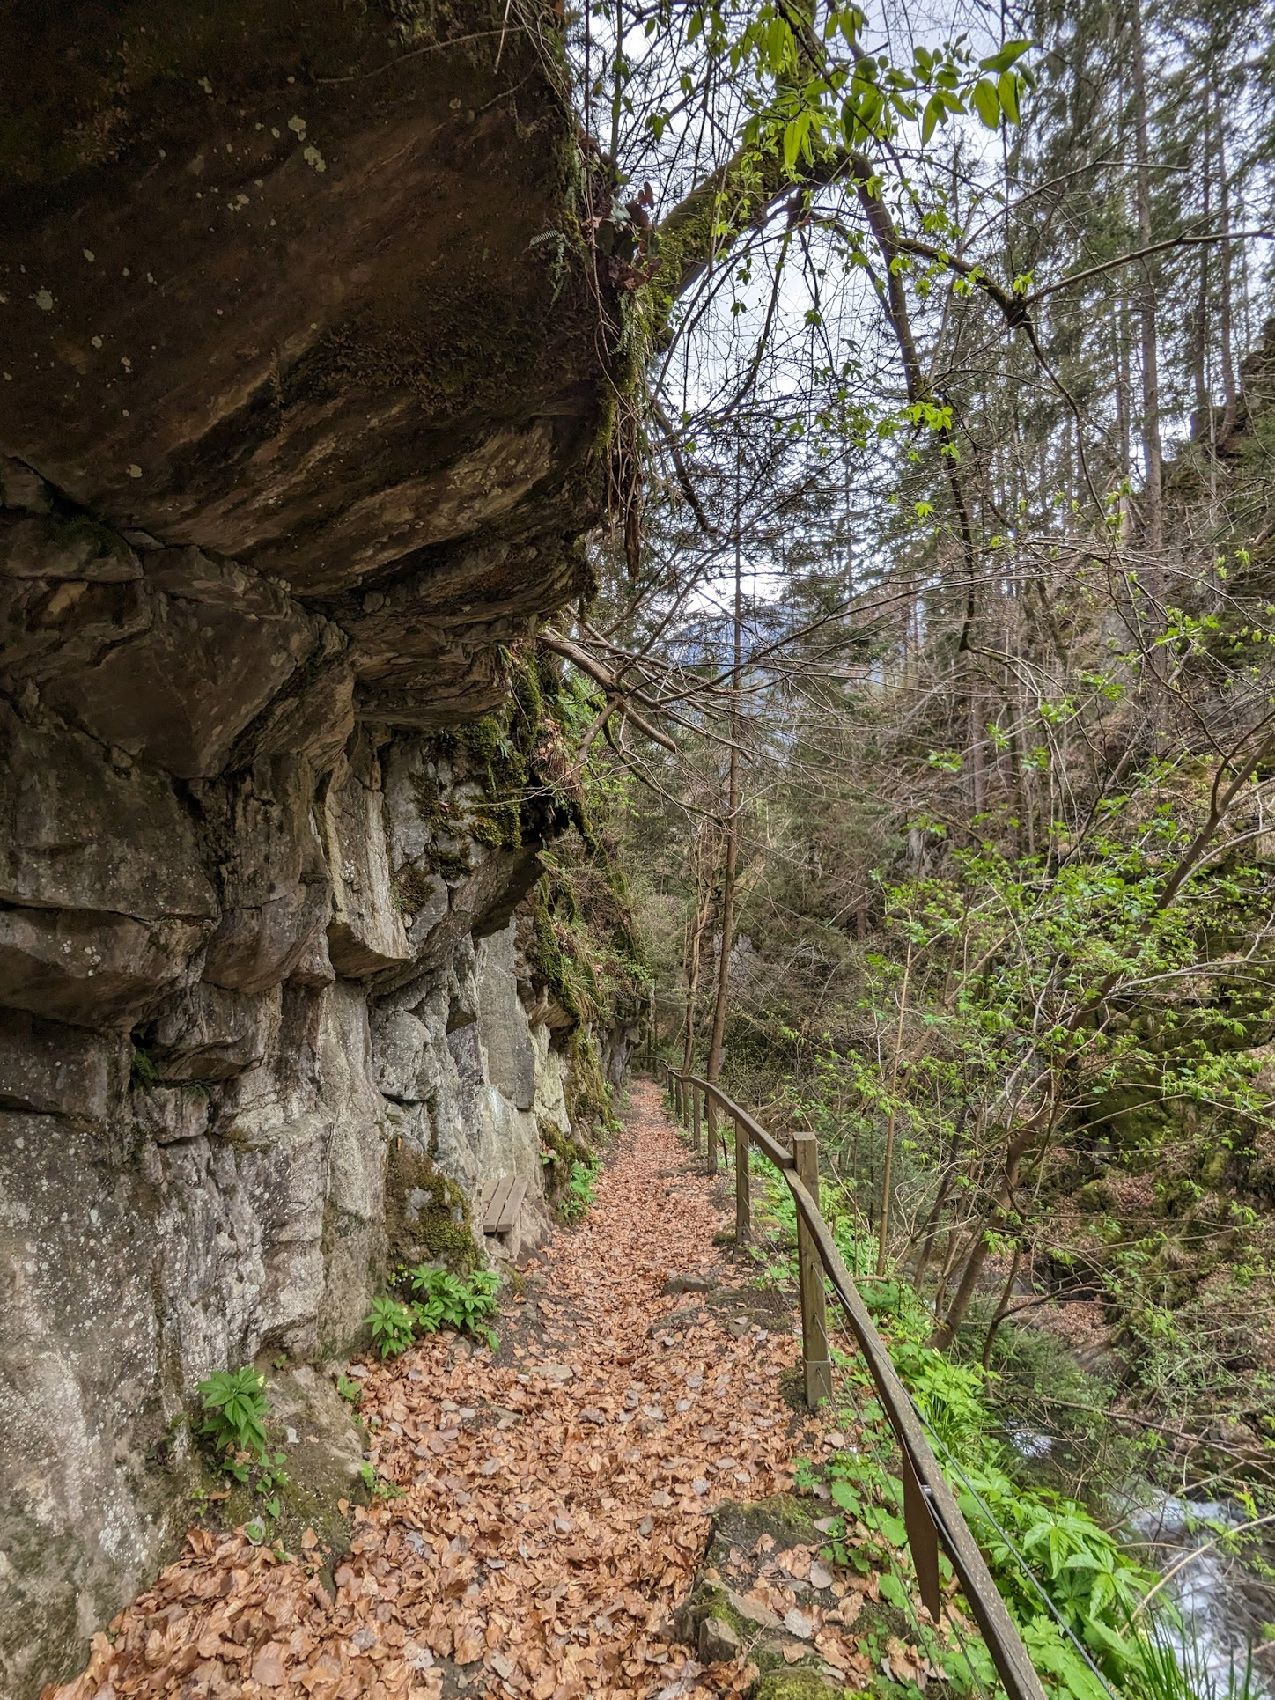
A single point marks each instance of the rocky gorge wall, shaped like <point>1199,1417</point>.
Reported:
<point>301,417</point>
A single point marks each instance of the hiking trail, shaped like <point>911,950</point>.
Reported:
<point>554,1499</point>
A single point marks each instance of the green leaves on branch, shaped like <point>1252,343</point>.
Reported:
<point>813,109</point>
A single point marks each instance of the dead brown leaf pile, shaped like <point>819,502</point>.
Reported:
<point>555,1501</point>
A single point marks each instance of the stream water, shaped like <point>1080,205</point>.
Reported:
<point>1222,1602</point>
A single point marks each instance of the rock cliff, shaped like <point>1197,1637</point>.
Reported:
<point>304,377</point>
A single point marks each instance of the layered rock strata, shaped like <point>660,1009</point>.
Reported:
<point>301,378</point>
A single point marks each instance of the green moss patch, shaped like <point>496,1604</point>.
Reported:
<point>427,1216</point>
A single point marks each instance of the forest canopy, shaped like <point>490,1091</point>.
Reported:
<point>932,649</point>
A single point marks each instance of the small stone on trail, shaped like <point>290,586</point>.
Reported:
<point>718,1642</point>
<point>688,1284</point>
<point>755,1610</point>
<point>798,1624</point>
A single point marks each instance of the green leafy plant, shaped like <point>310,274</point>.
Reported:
<point>349,1389</point>
<point>393,1326</point>
<point>376,1484</point>
<point>439,1299</point>
<point>580,1190</point>
<point>444,1300</point>
<point>234,1422</point>
<point>234,1406</point>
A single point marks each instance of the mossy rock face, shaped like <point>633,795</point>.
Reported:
<point>427,1216</point>
<point>561,1150</point>
<point>790,1520</point>
<point>321,1463</point>
<point>737,1528</point>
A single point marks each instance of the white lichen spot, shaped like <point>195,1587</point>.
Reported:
<point>275,131</point>
<point>126,272</point>
<point>134,471</point>
<point>126,363</point>
<point>205,85</point>
<point>89,255</point>
<point>96,341</point>
<point>314,159</point>
<point>297,126</point>
<point>43,300</point>
<point>150,277</point>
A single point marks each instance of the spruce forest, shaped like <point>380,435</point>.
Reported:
<point>656,627</point>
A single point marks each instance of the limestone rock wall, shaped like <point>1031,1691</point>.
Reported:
<point>246,1024</point>
<point>305,381</point>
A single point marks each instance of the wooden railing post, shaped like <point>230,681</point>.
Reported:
<point>695,1118</point>
<point>743,1202</point>
<point>814,1304</point>
<point>710,1119</point>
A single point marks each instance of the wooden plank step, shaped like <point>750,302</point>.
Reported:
<point>507,1217</point>
<point>494,1208</point>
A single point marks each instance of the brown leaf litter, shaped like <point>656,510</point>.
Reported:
<point>555,1499</point>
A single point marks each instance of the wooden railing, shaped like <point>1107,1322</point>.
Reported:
<point>931,1515</point>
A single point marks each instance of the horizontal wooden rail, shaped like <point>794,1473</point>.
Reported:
<point>931,1514</point>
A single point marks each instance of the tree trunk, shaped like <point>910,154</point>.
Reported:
<point>1152,449</point>
<point>1225,308</point>
<point>731,857</point>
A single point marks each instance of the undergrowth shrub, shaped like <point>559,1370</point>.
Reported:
<point>1036,1541</point>
<point>439,1299</point>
